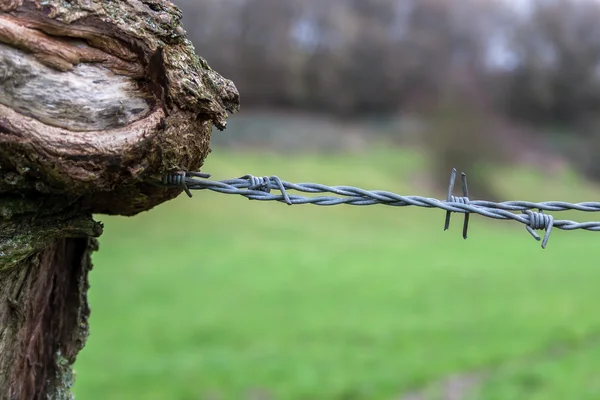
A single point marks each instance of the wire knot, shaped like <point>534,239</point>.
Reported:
<point>262,184</point>
<point>459,200</point>
<point>179,178</point>
<point>539,221</point>
<point>265,184</point>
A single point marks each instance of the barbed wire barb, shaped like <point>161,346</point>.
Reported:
<point>539,220</point>
<point>462,200</point>
<point>179,179</point>
<point>264,185</point>
<point>255,188</point>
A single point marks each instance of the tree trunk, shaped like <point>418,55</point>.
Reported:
<point>43,307</point>
<point>97,99</point>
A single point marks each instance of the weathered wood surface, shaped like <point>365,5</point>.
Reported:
<point>96,98</point>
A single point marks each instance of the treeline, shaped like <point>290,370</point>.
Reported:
<point>537,64</point>
<point>362,56</point>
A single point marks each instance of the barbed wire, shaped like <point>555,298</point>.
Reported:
<point>259,188</point>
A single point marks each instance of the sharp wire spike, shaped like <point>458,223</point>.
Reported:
<point>449,198</point>
<point>184,184</point>
<point>461,200</point>
<point>465,194</point>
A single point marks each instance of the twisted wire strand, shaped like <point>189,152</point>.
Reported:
<point>361,197</point>
<point>356,196</point>
<point>259,188</point>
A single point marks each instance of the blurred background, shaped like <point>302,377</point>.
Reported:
<point>217,297</point>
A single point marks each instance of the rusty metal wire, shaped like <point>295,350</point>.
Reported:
<point>259,188</point>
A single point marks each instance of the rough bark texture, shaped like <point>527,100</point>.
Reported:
<point>97,99</point>
<point>154,111</point>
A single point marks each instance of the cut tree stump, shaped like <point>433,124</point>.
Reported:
<point>97,99</point>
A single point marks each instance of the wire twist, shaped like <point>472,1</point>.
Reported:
<point>459,200</point>
<point>179,178</point>
<point>264,183</point>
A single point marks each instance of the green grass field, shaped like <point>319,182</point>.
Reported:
<point>219,297</point>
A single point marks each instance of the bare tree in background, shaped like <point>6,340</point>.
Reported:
<point>557,74</point>
<point>556,82</point>
<point>354,58</point>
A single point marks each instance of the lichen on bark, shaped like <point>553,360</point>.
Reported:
<point>97,98</point>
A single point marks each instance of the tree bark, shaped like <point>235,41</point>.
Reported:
<point>97,99</point>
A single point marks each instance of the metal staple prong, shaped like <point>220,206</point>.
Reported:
<point>463,200</point>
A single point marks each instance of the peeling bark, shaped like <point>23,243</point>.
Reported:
<point>97,98</point>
